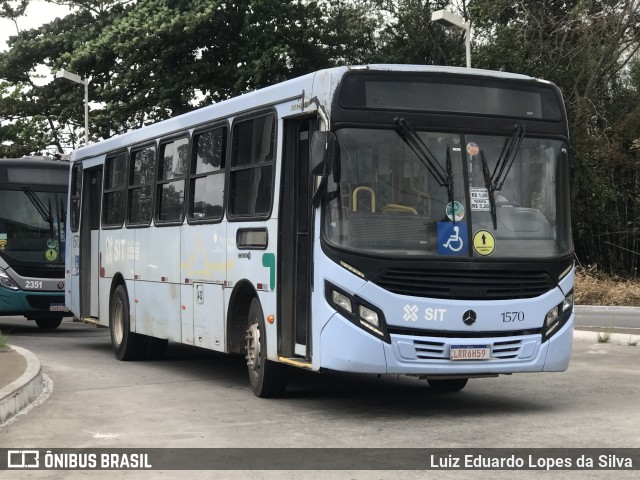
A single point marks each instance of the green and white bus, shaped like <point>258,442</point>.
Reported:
<point>386,219</point>
<point>33,198</point>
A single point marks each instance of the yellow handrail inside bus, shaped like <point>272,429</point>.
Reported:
<point>372,195</point>
<point>397,208</point>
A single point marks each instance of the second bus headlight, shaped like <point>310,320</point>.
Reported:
<point>358,311</point>
<point>6,282</point>
<point>369,316</point>
<point>557,316</point>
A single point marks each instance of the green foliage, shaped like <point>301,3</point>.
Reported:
<point>151,59</point>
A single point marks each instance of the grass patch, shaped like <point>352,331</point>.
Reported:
<point>603,337</point>
<point>597,288</point>
<point>4,340</point>
<point>632,342</point>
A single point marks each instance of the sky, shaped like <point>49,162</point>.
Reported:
<point>38,12</point>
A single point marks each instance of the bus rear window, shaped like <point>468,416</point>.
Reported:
<point>448,94</point>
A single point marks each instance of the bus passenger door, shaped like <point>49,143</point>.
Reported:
<point>295,240</point>
<point>90,242</point>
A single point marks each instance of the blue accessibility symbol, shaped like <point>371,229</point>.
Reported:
<point>452,238</point>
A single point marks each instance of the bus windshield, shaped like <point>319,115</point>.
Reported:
<point>32,225</point>
<point>384,199</point>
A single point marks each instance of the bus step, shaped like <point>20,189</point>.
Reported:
<point>296,362</point>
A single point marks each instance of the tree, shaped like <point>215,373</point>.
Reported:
<point>585,47</point>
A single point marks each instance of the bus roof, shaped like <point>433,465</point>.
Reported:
<point>280,92</point>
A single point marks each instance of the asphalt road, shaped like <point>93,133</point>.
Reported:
<point>196,398</point>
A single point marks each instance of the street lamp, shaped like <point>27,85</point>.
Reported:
<point>72,77</point>
<point>448,19</point>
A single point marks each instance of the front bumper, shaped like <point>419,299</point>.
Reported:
<point>345,347</point>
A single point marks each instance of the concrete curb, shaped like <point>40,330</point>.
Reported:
<point>608,312</point>
<point>24,390</point>
<point>631,339</point>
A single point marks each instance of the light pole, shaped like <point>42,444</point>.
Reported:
<point>72,77</point>
<point>448,19</point>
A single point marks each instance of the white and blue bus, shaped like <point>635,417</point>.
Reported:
<point>33,198</point>
<point>382,219</point>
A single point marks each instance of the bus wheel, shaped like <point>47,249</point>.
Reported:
<point>126,344</point>
<point>50,323</point>
<point>268,379</point>
<point>450,385</point>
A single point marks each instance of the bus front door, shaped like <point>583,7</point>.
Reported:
<point>295,241</point>
<point>90,242</point>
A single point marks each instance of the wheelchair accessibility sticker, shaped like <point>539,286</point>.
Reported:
<point>452,238</point>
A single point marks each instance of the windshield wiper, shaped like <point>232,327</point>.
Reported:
<point>507,157</point>
<point>443,176</point>
<point>487,183</point>
<point>46,214</point>
<point>495,181</point>
<point>40,207</point>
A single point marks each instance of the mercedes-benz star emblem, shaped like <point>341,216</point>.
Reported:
<point>469,317</point>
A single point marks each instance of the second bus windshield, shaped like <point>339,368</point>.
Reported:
<point>383,198</point>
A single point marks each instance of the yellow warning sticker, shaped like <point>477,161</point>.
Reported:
<point>51,254</point>
<point>484,243</point>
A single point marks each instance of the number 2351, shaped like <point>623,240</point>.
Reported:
<point>512,317</point>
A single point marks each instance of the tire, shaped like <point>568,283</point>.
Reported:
<point>267,378</point>
<point>126,344</point>
<point>450,385</point>
<point>50,323</point>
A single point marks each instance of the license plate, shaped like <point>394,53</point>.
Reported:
<point>58,307</point>
<point>470,352</point>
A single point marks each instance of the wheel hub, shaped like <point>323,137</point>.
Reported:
<point>253,347</point>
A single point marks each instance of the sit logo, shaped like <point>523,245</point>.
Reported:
<point>411,313</point>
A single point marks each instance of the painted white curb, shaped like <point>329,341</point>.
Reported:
<point>21,392</point>
<point>615,338</point>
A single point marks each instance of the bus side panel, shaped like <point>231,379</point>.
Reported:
<point>94,306</point>
<point>113,260</point>
<point>258,266</point>
<point>204,267</point>
<point>72,272</point>
<point>157,282</point>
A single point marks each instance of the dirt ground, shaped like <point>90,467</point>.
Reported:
<point>595,288</point>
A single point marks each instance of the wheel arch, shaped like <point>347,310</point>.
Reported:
<point>238,314</point>
<point>118,279</point>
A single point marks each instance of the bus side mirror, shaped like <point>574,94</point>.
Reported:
<point>324,150</point>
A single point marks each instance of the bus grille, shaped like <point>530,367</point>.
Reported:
<point>465,284</point>
<point>42,302</point>
<point>53,271</point>
<point>427,350</point>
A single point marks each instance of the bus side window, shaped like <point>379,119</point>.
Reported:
<point>206,194</point>
<point>251,176</point>
<point>172,169</point>
<point>140,201</point>
<point>76,190</point>
<point>115,183</point>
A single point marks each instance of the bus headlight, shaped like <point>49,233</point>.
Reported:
<point>568,302</point>
<point>6,282</point>
<point>357,311</point>
<point>552,317</point>
<point>557,316</point>
<point>369,316</point>
<point>340,300</point>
